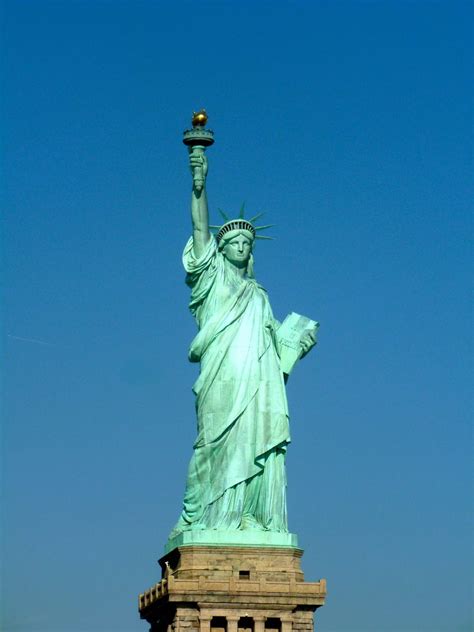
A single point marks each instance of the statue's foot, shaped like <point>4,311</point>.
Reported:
<point>186,526</point>
<point>250,523</point>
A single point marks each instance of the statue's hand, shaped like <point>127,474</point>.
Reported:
<point>198,164</point>
<point>307,342</point>
<point>205,165</point>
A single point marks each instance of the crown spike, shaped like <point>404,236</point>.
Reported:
<point>263,237</point>
<point>242,208</point>
<point>264,227</point>
<point>253,219</point>
<point>224,215</point>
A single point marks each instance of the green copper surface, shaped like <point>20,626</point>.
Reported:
<point>236,537</point>
<point>236,484</point>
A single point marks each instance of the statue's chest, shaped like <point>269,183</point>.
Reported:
<point>228,290</point>
<point>230,287</point>
<point>242,293</point>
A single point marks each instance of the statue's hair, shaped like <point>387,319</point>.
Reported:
<point>250,272</point>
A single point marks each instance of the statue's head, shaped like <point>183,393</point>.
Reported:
<point>235,239</point>
<point>236,246</point>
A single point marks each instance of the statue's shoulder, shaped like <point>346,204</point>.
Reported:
<point>194,264</point>
<point>259,285</point>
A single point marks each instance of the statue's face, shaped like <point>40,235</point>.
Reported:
<point>237,250</point>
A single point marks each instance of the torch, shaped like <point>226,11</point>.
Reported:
<point>197,139</point>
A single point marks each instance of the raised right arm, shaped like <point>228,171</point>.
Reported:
<point>199,210</point>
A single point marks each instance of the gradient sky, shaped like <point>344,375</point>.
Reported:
<point>349,124</point>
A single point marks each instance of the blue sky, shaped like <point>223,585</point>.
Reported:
<point>349,124</point>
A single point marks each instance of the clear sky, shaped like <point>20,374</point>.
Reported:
<point>349,124</point>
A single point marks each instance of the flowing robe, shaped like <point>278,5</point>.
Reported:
<point>236,477</point>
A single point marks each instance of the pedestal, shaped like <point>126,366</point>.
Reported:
<point>232,589</point>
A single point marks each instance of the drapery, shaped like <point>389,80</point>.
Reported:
<point>236,477</point>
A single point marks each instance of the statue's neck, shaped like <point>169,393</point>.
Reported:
<point>241,272</point>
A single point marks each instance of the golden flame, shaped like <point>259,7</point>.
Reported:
<point>199,118</point>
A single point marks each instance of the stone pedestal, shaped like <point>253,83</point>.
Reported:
<point>232,589</point>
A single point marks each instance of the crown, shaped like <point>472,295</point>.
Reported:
<point>240,223</point>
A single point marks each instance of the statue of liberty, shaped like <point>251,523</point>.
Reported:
<point>236,478</point>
